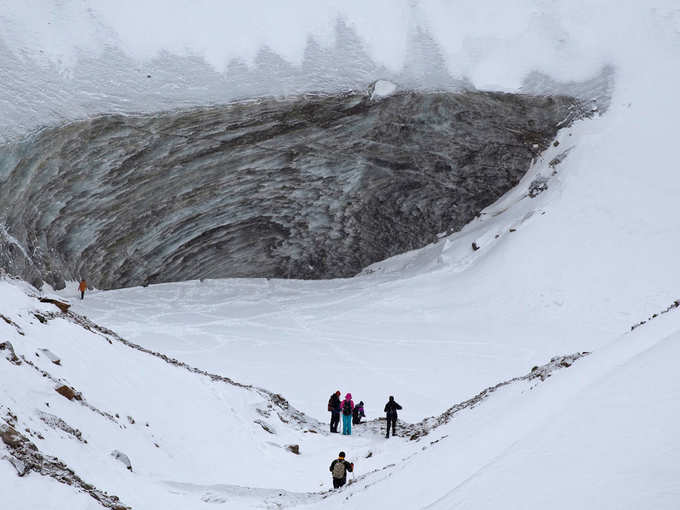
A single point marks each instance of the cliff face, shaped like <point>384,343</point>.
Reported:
<point>315,186</point>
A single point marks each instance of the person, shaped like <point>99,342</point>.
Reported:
<point>391,409</point>
<point>339,468</point>
<point>82,288</point>
<point>358,413</point>
<point>347,408</point>
<point>334,408</point>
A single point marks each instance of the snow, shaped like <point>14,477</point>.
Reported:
<point>570,270</point>
<point>383,88</point>
<point>599,431</point>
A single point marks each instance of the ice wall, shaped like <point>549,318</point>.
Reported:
<point>316,186</point>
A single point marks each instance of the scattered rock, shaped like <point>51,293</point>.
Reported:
<point>556,143</point>
<point>18,464</point>
<point>558,159</point>
<point>418,430</point>
<point>41,318</point>
<point>10,437</point>
<point>57,423</point>
<point>51,356</point>
<point>131,420</point>
<point>12,323</point>
<point>513,230</point>
<point>538,186</point>
<point>59,304</point>
<point>10,355</point>
<point>475,246</point>
<point>675,304</point>
<point>69,393</point>
<point>266,427</point>
<point>295,448</point>
<point>369,455</point>
<point>26,457</point>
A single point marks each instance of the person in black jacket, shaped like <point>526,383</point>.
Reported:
<point>391,409</point>
<point>334,408</point>
<point>358,413</point>
<point>339,468</point>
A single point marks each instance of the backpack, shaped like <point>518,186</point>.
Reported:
<point>339,469</point>
<point>330,407</point>
<point>346,408</point>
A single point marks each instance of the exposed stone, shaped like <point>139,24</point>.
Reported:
<point>295,448</point>
<point>538,186</point>
<point>26,457</point>
<point>69,393</point>
<point>57,423</point>
<point>10,355</point>
<point>51,356</point>
<point>59,304</point>
<point>417,430</point>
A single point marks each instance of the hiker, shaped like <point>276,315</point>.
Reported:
<point>334,409</point>
<point>339,468</point>
<point>391,409</point>
<point>347,407</point>
<point>82,288</point>
<point>358,413</point>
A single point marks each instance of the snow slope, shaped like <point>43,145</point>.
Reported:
<point>571,270</point>
<point>601,430</point>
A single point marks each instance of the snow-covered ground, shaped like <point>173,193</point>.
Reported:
<point>569,270</point>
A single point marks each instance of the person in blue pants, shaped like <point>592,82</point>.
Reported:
<point>347,407</point>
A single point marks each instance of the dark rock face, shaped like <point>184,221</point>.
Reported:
<point>316,186</point>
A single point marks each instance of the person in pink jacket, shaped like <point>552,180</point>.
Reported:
<point>346,407</point>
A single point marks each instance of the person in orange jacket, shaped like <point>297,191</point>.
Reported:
<point>82,288</point>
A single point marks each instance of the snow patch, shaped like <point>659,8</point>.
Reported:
<point>382,88</point>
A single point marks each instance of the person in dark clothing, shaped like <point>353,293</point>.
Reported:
<point>358,413</point>
<point>334,408</point>
<point>339,468</point>
<point>391,409</point>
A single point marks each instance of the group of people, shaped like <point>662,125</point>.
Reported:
<point>352,414</point>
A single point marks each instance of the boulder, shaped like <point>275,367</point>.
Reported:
<point>69,393</point>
